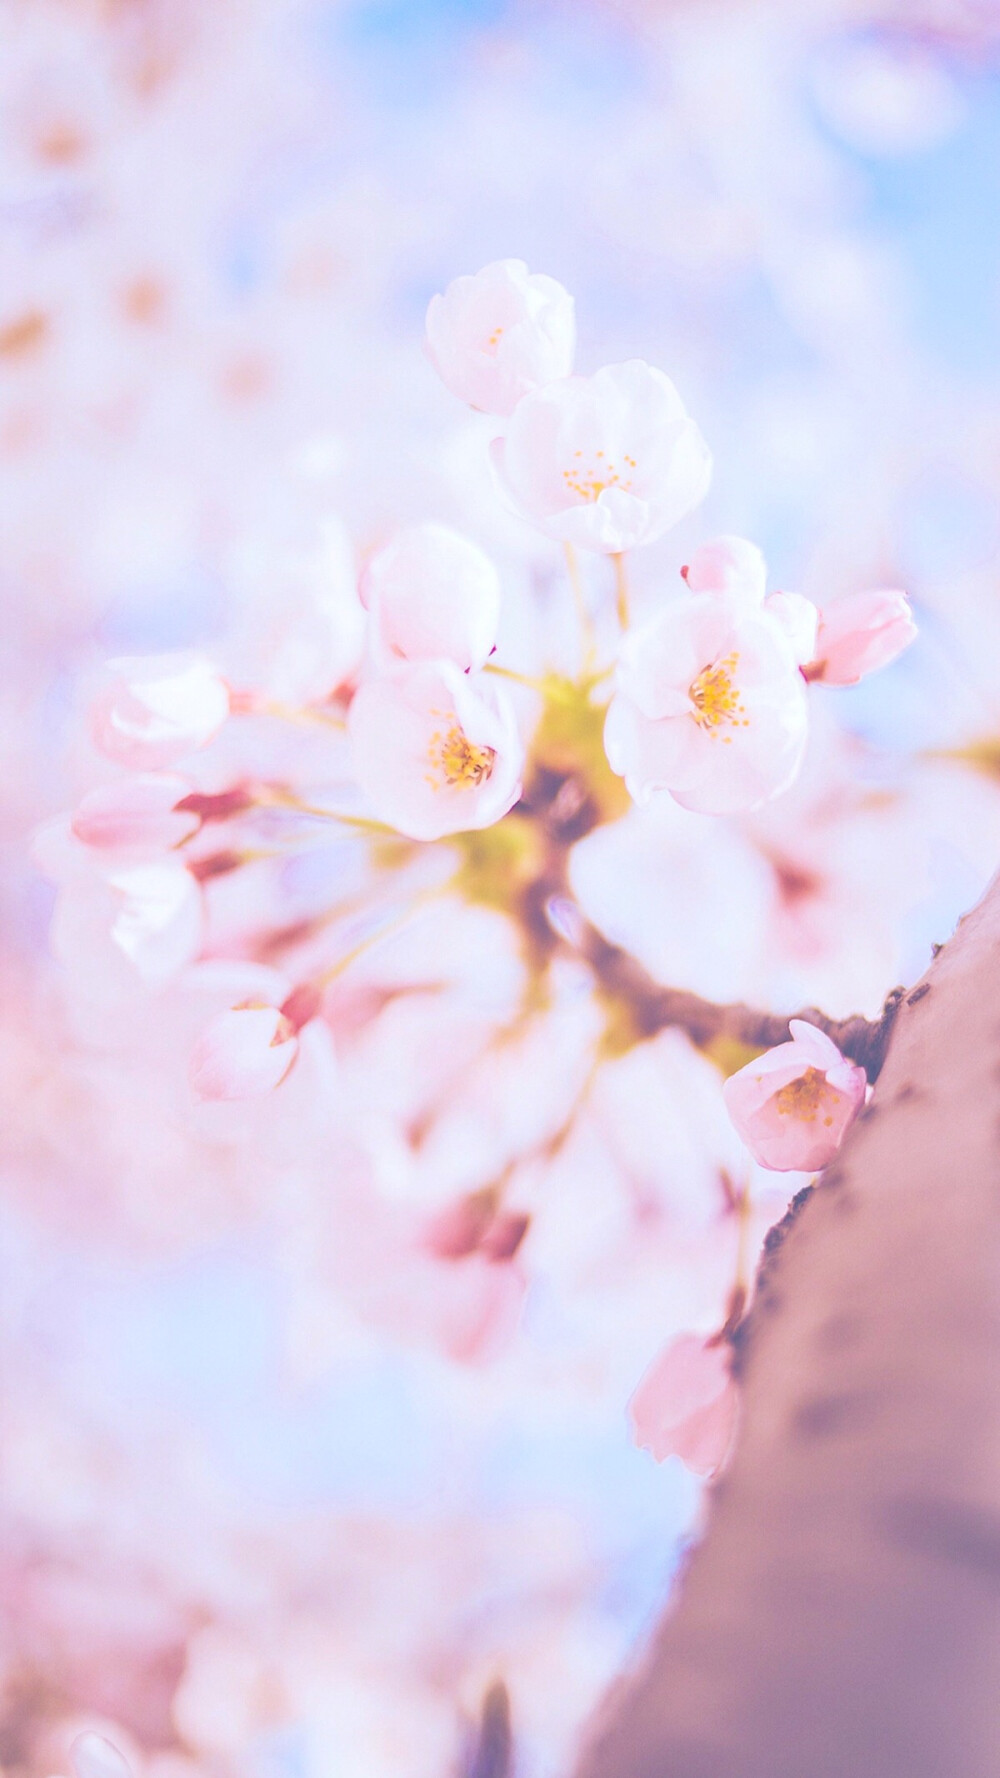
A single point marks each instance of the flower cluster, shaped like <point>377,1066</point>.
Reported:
<point>391,728</point>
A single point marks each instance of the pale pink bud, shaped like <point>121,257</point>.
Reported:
<point>137,816</point>
<point>497,335</point>
<point>606,462</point>
<point>860,633</point>
<point>709,704</point>
<point>243,1053</point>
<point>433,595</point>
<point>158,708</point>
<point>94,1757</point>
<point>685,1405</point>
<point>148,913</point>
<point>793,1105</point>
<point>728,565</point>
<point>434,751</point>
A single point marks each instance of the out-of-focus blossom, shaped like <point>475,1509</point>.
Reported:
<point>685,1405</point>
<point>137,817</point>
<point>860,633</point>
<point>798,618</point>
<point>709,705</point>
<point>793,1105</point>
<point>728,565</point>
<point>606,462</point>
<point>93,1756</point>
<point>158,708</point>
<point>433,595</point>
<point>435,752</point>
<point>303,623</point>
<point>243,1053</point>
<point>146,915</point>
<point>496,336</point>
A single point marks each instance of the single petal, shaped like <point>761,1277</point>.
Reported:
<point>243,1053</point>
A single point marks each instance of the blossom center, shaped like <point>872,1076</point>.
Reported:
<point>588,482</point>
<point>493,342</point>
<point>716,698</point>
<point>457,760</point>
<point>805,1097</point>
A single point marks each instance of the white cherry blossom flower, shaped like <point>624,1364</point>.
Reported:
<point>158,708</point>
<point>435,752</point>
<point>497,335</point>
<point>709,704</point>
<point>433,595</point>
<point>606,462</point>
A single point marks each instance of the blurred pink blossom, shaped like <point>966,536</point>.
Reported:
<point>685,1405</point>
<point>244,1052</point>
<point>433,594</point>
<point>159,708</point>
<point>497,335</point>
<point>93,1756</point>
<point>136,817</point>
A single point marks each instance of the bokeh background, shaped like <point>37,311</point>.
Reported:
<point>245,1526</point>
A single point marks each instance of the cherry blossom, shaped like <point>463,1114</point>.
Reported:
<point>685,1405</point>
<point>93,1756</point>
<point>244,1052</point>
<point>435,752</point>
<point>138,816</point>
<point>118,917</point>
<point>709,704</point>
<point>735,566</point>
<point>606,462</point>
<point>496,336</point>
<point>793,1105</point>
<point>860,633</point>
<point>158,709</point>
<point>433,594</point>
<point>728,565</point>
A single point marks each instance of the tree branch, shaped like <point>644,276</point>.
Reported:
<point>654,1007</point>
<point>841,1618</point>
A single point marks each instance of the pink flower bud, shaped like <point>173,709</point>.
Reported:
<point>685,1405</point>
<point>158,708</point>
<point>433,595</point>
<point>94,1757</point>
<point>728,565</point>
<point>495,336</point>
<point>606,462</point>
<point>860,633</point>
<point>793,1105</point>
<point>137,816</point>
<point>243,1053</point>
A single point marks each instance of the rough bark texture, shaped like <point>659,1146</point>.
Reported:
<point>841,1617</point>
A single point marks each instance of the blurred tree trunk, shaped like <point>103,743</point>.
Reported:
<point>841,1618</point>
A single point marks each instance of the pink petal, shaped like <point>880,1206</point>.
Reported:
<point>243,1053</point>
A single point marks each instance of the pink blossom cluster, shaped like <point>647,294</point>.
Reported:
<point>450,1149</point>
<point>398,727</point>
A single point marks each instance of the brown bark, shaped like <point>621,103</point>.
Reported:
<point>841,1617</point>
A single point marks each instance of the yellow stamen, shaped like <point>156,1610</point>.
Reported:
<point>589,484</point>
<point>716,698</point>
<point>805,1097</point>
<point>457,760</point>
